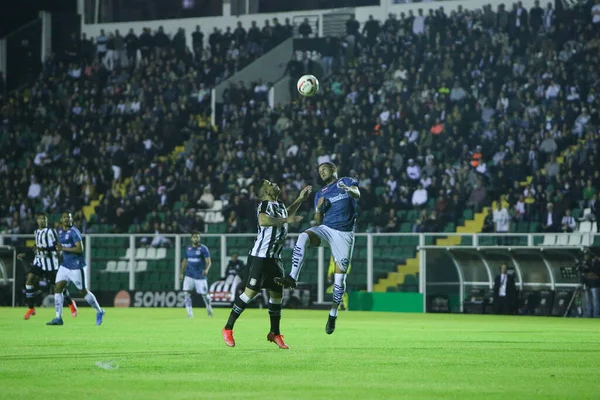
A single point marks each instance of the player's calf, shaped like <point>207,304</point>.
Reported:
<point>188,304</point>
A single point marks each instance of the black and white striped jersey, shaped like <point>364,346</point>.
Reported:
<point>270,239</point>
<point>46,257</point>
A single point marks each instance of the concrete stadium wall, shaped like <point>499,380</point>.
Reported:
<point>207,24</point>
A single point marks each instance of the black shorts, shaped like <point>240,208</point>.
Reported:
<point>40,273</point>
<point>262,273</point>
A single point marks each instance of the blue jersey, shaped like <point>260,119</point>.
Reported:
<point>342,212</point>
<point>196,261</point>
<point>67,239</point>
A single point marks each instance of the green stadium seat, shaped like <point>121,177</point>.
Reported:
<point>401,215</point>
<point>412,215</point>
<point>450,227</point>
<point>468,214</point>
<point>533,227</point>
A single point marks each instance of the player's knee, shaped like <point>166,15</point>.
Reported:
<point>304,240</point>
<point>249,293</point>
<point>275,297</point>
<point>188,295</point>
<point>313,239</point>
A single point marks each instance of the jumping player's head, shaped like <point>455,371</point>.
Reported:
<point>328,172</point>
<point>267,190</point>
<point>66,219</point>
<point>195,238</point>
<point>42,220</point>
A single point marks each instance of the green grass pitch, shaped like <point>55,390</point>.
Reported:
<point>160,354</point>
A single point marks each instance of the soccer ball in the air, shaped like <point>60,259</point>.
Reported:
<point>308,85</point>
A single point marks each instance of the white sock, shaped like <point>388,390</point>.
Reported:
<point>244,297</point>
<point>91,300</point>
<point>58,304</point>
<point>188,304</point>
<point>298,255</point>
<point>339,287</point>
<point>207,303</point>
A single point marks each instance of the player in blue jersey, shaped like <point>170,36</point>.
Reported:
<point>72,268</point>
<point>194,270</point>
<point>336,210</point>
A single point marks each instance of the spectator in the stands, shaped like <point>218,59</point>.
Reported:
<point>550,219</point>
<point>305,29</point>
<point>207,200</point>
<point>568,223</point>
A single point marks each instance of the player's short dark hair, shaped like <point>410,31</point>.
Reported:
<point>41,214</point>
<point>331,164</point>
<point>67,212</point>
<point>195,233</point>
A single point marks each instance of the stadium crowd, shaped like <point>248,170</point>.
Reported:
<point>430,112</point>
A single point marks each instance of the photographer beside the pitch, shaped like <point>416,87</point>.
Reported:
<point>590,276</point>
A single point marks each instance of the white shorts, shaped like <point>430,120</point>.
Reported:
<point>75,276</point>
<point>201,285</point>
<point>341,244</point>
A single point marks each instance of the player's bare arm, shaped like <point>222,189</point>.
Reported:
<point>77,249</point>
<point>302,196</point>
<point>183,267</point>
<point>208,265</point>
<point>353,191</point>
<point>266,220</point>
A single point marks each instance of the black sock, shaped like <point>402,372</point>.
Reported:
<point>275,315</point>
<point>30,296</point>
<point>239,306</point>
<point>68,299</point>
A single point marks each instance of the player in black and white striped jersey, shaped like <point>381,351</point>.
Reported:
<point>270,239</point>
<point>45,264</point>
<point>264,260</point>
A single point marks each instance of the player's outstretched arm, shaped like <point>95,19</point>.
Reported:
<point>304,193</point>
<point>266,220</point>
<point>353,191</point>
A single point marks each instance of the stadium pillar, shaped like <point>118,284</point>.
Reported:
<point>321,275</point>
<point>131,262</point>
<point>213,105</point>
<point>3,65</point>
<point>88,261</point>
<point>369,262</point>
<point>223,254</point>
<point>226,8</point>
<point>14,278</point>
<point>422,270</point>
<point>46,18</point>
<point>177,263</point>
